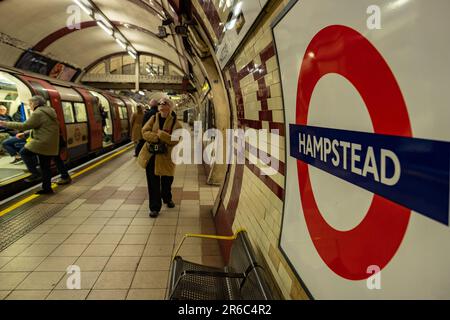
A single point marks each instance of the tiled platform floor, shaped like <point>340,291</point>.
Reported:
<point>103,227</point>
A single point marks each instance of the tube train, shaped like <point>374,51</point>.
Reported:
<point>80,122</point>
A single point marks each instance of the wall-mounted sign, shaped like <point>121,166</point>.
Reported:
<point>241,16</point>
<point>33,62</point>
<point>368,148</point>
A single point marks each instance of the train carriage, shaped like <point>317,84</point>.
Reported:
<point>79,118</point>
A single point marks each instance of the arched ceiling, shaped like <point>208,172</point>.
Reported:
<point>44,22</point>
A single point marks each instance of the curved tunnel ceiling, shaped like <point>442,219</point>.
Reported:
<point>46,29</point>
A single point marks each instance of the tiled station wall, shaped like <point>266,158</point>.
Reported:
<point>253,201</point>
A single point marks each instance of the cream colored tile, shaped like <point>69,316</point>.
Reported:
<point>92,263</point>
<point>150,280</point>
<point>39,250</point>
<point>81,213</point>
<point>41,281</point>
<point>125,214</point>
<point>166,222</point>
<point>96,221</point>
<point>143,222</point>
<point>4,261</point>
<point>107,295</point>
<point>28,295</point>
<point>154,264</point>
<point>139,230</point>
<point>120,221</point>
<point>114,230</point>
<point>158,251</point>
<point>134,239</point>
<point>168,215</point>
<point>129,207</point>
<point>72,221</point>
<point>161,239</point>
<point>103,214</point>
<point>52,221</point>
<point>99,250</point>
<point>122,264</point>
<point>28,239</point>
<point>146,294</point>
<point>111,204</point>
<point>107,239</point>
<point>74,204</point>
<point>10,280</point>
<point>88,207</point>
<point>63,229</point>
<point>129,251</point>
<point>69,250</point>
<point>114,280</point>
<point>63,213</point>
<point>164,230</point>
<point>22,264</point>
<point>56,264</point>
<point>56,238</point>
<point>80,239</point>
<point>68,295</point>
<point>41,229</point>
<point>14,250</point>
<point>88,229</point>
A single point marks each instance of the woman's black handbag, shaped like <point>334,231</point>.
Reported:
<point>161,148</point>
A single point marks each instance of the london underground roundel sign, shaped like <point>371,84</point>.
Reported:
<point>367,148</point>
<point>377,238</point>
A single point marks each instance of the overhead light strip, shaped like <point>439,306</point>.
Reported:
<point>83,6</point>
<point>105,24</point>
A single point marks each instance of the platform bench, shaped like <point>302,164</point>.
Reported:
<point>243,279</point>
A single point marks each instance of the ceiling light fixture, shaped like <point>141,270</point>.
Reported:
<point>134,56</point>
<point>122,44</point>
<point>102,25</point>
<point>83,6</point>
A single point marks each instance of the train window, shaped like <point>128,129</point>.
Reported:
<point>125,112</point>
<point>120,113</point>
<point>68,112</point>
<point>80,112</point>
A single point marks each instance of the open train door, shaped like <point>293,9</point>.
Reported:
<point>95,120</point>
<point>115,118</point>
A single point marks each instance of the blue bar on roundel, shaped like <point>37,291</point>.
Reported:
<point>411,172</point>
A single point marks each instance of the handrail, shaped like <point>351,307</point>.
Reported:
<point>205,236</point>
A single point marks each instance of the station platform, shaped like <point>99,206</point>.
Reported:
<point>101,224</point>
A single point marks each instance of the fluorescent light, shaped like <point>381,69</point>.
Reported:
<point>231,24</point>
<point>105,28</point>
<point>237,9</point>
<point>102,18</point>
<point>132,50</point>
<point>122,44</point>
<point>132,55</point>
<point>83,7</point>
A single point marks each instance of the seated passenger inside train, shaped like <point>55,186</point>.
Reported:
<point>13,93</point>
<point>5,133</point>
